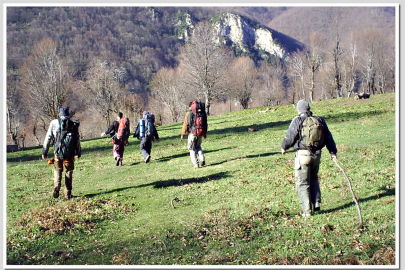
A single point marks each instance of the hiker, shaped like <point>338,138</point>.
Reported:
<point>196,131</point>
<point>120,139</point>
<point>112,131</point>
<point>308,155</point>
<point>146,132</point>
<point>65,135</point>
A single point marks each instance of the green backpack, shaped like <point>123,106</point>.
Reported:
<point>312,132</point>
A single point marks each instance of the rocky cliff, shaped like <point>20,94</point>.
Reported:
<point>245,37</point>
<point>240,33</point>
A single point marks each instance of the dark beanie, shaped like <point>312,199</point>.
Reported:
<point>303,106</point>
<point>64,112</point>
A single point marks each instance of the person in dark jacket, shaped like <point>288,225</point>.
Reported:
<point>118,145</point>
<point>112,129</point>
<point>146,141</point>
<point>307,160</point>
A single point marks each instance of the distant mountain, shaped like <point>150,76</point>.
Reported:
<point>299,22</point>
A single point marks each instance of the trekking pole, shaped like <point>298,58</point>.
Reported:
<point>112,138</point>
<point>351,190</point>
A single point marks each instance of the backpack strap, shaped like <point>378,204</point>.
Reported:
<point>300,132</point>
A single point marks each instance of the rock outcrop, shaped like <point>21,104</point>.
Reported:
<point>238,32</point>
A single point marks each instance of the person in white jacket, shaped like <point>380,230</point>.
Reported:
<point>59,163</point>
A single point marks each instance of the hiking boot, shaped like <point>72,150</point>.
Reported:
<point>307,214</point>
<point>69,195</point>
<point>147,159</point>
<point>56,192</point>
<point>203,163</point>
<point>317,206</point>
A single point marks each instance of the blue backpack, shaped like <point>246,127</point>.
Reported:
<point>147,126</point>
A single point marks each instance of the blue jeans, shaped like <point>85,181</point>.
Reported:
<point>306,178</point>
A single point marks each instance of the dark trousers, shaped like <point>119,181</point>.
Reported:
<point>146,147</point>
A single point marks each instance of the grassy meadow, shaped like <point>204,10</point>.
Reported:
<point>240,209</point>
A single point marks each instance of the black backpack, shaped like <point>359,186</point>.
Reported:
<point>66,139</point>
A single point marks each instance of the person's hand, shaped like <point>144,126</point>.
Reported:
<point>333,157</point>
<point>181,137</point>
<point>282,151</point>
<point>102,134</point>
<point>205,136</point>
<point>158,140</point>
<point>44,157</point>
<point>77,157</point>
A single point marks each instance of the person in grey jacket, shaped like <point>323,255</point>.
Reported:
<point>307,160</point>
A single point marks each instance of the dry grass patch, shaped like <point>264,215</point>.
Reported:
<point>64,216</point>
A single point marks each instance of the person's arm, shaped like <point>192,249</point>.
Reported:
<point>329,141</point>
<point>156,135</point>
<point>184,129</point>
<point>47,141</point>
<point>78,147</point>
<point>291,135</point>
<point>136,134</point>
<point>111,128</point>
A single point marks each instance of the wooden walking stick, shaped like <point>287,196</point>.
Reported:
<point>351,190</point>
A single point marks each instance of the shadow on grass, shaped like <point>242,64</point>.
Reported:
<point>169,183</point>
<point>388,192</point>
<point>242,157</point>
<point>186,154</point>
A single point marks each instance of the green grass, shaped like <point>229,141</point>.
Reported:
<point>241,209</point>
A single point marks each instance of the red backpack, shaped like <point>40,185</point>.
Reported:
<point>123,129</point>
<point>197,119</point>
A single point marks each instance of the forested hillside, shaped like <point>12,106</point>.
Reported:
<point>101,60</point>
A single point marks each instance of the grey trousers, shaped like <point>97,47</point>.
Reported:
<point>194,146</point>
<point>306,178</point>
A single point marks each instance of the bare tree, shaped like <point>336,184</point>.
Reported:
<point>372,44</point>
<point>104,88</point>
<point>131,104</point>
<point>13,105</point>
<point>205,59</point>
<point>350,67</point>
<point>168,86</point>
<point>336,57</point>
<point>315,59</point>
<point>385,65</point>
<point>297,73</point>
<point>272,78</point>
<point>242,75</point>
<point>47,80</point>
